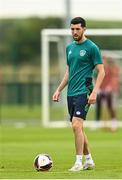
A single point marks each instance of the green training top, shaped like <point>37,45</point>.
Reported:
<point>81,60</point>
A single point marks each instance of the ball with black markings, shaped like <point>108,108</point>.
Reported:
<point>43,162</point>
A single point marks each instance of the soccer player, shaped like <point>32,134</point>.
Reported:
<point>83,56</point>
<point>108,92</point>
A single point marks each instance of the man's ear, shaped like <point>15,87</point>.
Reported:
<point>84,28</point>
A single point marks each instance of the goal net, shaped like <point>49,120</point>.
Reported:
<point>53,68</point>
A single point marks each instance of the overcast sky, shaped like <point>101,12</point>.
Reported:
<point>93,9</point>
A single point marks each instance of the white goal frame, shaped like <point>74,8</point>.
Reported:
<point>52,35</point>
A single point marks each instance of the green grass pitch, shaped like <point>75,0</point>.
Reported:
<point>19,146</point>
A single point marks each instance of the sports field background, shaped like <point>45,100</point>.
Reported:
<point>22,136</point>
<point>10,114</point>
<point>19,146</point>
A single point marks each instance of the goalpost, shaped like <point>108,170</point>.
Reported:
<point>55,35</point>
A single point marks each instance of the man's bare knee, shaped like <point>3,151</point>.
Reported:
<point>77,124</point>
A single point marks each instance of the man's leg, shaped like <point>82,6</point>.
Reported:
<point>89,163</point>
<point>81,145</point>
<point>98,105</point>
<point>86,147</point>
<point>77,126</point>
<point>112,110</point>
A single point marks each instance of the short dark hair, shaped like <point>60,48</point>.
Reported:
<point>78,20</point>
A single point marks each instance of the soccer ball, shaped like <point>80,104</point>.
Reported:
<point>43,162</point>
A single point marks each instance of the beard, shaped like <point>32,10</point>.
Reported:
<point>78,37</point>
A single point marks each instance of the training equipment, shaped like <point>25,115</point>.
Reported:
<point>43,162</point>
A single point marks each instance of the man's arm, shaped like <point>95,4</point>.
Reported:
<point>61,86</point>
<point>99,79</point>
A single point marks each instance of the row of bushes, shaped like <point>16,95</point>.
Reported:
<point>20,38</point>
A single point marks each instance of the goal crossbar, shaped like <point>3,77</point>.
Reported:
<point>93,32</point>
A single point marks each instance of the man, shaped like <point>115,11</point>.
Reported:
<point>108,92</point>
<point>82,57</point>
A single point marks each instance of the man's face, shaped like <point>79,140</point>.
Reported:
<point>77,31</point>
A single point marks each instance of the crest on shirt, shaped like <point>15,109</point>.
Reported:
<point>70,52</point>
<point>82,52</point>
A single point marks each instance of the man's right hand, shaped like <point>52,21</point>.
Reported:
<point>56,96</point>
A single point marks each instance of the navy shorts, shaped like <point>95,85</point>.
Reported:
<point>78,106</point>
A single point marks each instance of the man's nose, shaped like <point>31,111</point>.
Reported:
<point>75,31</point>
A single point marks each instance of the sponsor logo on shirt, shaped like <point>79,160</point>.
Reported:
<point>82,52</point>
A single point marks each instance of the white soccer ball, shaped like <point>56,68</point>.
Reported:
<point>43,162</point>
